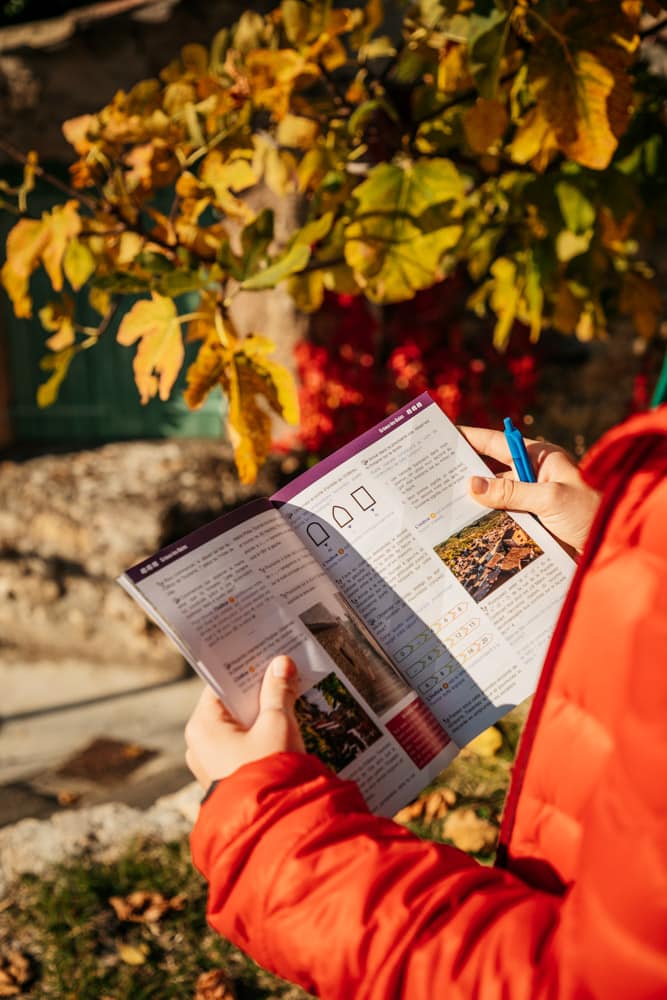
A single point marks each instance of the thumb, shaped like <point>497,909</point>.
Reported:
<point>279,686</point>
<point>510,494</point>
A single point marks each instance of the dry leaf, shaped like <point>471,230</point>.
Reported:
<point>487,743</point>
<point>133,954</point>
<point>14,972</point>
<point>214,985</point>
<point>67,798</point>
<point>160,353</point>
<point>469,832</point>
<point>144,907</point>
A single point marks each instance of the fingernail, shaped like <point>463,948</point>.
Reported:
<point>282,667</point>
<point>478,484</point>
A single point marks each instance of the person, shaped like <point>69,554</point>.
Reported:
<point>349,905</point>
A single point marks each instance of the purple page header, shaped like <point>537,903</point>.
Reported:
<point>393,422</point>
<point>200,536</point>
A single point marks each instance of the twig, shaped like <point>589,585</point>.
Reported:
<point>19,157</point>
<point>653,29</point>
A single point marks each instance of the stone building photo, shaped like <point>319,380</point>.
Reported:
<point>366,667</point>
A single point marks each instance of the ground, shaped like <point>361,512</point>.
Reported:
<point>80,944</point>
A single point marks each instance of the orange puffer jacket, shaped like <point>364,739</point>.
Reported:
<point>355,907</point>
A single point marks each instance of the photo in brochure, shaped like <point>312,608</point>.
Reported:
<point>485,554</point>
<point>333,724</point>
<point>356,655</point>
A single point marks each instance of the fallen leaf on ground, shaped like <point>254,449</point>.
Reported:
<point>66,797</point>
<point>469,832</point>
<point>143,907</point>
<point>487,744</point>
<point>214,985</point>
<point>431,806</point>
<point>14,972</point>
<point>133,954</point>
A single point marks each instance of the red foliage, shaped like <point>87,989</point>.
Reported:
<point>360,363</point>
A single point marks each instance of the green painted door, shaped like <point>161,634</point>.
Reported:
<point>98,401</point>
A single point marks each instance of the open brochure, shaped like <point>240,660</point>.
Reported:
<point>416,617</point>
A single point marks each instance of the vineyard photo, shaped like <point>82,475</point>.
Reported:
<point>485,554</point>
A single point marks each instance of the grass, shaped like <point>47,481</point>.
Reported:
<point>78,947</point>
<point>68,928</point>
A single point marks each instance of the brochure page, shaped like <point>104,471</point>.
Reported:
<point>462,599</point>
<point>242,589</point>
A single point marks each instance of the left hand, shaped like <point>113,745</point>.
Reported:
<point>217,743</point>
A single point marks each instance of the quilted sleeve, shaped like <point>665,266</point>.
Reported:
<point>316,889</point>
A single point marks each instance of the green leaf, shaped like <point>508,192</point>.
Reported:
<point>366,111</point>
<point>315,230</point>
<point>293,261</point>
<point>391,268</point>
<point>175,283</point>
<point>486,47</point>
<point>255,240</point>
<point>78,264</point>
<point>577,211</point>
<point>397,238</point>
<point>410,190</point>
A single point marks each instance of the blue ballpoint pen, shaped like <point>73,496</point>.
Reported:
<point>514,438</point>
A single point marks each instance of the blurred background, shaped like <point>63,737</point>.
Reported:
<point>94,697</point>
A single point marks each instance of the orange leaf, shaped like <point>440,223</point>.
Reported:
<point>484,124</point>
<point>33,242</point>
<point>160,352</point>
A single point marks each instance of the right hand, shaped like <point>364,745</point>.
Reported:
<point>560,498</point>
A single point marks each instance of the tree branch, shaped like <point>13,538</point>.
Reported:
<point>19,157</point>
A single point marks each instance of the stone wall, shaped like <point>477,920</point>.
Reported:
<point>70,523</point>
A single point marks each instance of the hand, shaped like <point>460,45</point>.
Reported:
<point>217,744</point>
<point>561,499</point>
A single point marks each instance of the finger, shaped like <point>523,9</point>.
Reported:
<point>505,493</point>
<point>279,686</point>
<point>194,765</point>
<point>209,711</point>
<point>492,443</point>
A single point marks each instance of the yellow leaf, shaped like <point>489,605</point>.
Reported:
<point>247,375</point>
<point>58,318</point>
<point>278,384</point>
<point>275,166</point>
<point>469,832</point>
<point>100,300</point>
<point>274,73</point>
<point>226,176</point>
<point>62,225</point>
<point>484,124</point>
<point>487,743</point>
<point>586,99</point>
<point>33,242</point>
<point>58,364</point>
<point>17,287</point>
<point>160,353</point>
<point>569,245</point>
<point>534,141</point>
<point>504,299</point>
<point>567,309</point>
<point>307,290</point>
<point>641,299</point>
<point>298,132</point>
<point>78,264</point>
<point>133,954</point>
<point>129,247</point>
